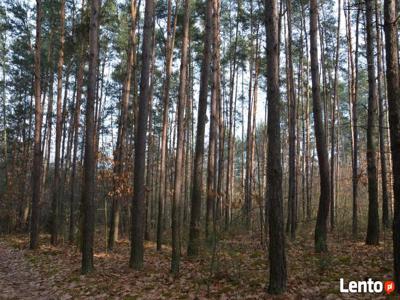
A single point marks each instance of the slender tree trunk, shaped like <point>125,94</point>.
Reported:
<point>221,167</point>
<point>65,154</point>
<point>277,255</point>
<point>292,210</point>
<point>56,186</point>
<point>217,95</point>
<point>176,199</point>
<point>120,151</point>
<point>49,120</point>
<point>212,145</point>
<point>138,205</point>
<point>381,99</point>
<point>307,122</point>
<point>194,232</point>
<point>5,153</point>
<point>324,200</point>
<point>249,141</point>
<point>324,71</point>
<point>76,123</point>
<point>333,120</point>
<point>48,85</point>
<point>372,132</point>
<point>163,148</point>
<point>88,187</point>
<point>189,134</point>
<point>252,140</point>
<point>355,131</point>
<point>393,94</point>
<point>150,144</point>
<point>37,154</point>
<point>353,66</point>
<point>301,127</point>
<point>232,74</point>
<point>98,112</point>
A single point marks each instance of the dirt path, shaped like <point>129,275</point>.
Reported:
<point>18,280</point>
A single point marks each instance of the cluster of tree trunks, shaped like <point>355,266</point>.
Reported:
<point>220,184</point>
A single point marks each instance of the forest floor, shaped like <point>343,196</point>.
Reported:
<point>235,269</point>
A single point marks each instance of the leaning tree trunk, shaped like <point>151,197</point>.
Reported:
<point>322,152</point>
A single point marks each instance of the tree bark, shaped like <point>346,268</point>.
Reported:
<point>150,143</point>
<point>307,123</point>
<point>120,151</point>
<point>232,75</point>
<point>77,113</point>
<point>4,104</point>
<point>194,231</point>
<point>138,201</point>
<point>219,113</point>
<point>176,199</point>
<point>353,70</point>
<point>333,120</point>
<point>88,188</point>
<point>213,141</point>
<point>277,255</point>
<point>393,94</point>
<point>55,205</point>
<point>65,154</point>
<point>49,120</point>
<point>372,133</point>
<point>292,210</point>
<point>163,148</point>
<point>37,154</point>
<point>324,200</point>
<point>381,99</point>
